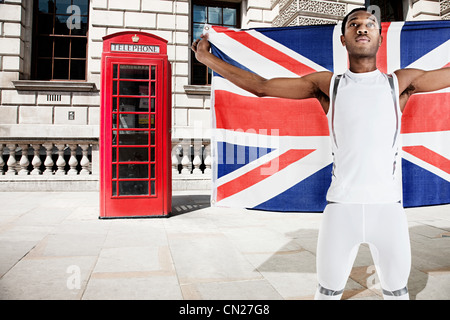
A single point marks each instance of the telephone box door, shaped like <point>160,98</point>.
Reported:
<point>134,137</point>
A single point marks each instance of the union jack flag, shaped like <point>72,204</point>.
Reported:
<point>275,154</point>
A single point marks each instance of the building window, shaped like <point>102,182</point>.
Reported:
<point>389,10</point>
<point>60,30</point>
<point>215,13</point>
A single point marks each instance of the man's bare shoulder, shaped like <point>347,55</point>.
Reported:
<point>408,73</point>
<point>321,75</point>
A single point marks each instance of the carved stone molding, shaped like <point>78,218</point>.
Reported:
<point>301,12</point>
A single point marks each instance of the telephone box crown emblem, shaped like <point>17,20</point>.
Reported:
<point>135,38</point>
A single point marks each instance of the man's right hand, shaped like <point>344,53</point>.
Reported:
<point>201,47</point>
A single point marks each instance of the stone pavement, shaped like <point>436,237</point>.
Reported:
<point>53,246</point>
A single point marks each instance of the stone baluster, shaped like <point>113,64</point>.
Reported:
<point>197,159</point>
<point>207,161</point>
<point>73,162</point>
<point>48,163</point>
<point>24,162</point>
<point>186,161</point>
<point>175,161</point>
<point>85,163</point>
<point>12,159</point>
<point>2,162</point>
<point>36,162</point>
<point>60,162</point>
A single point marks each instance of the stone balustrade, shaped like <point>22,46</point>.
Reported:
<point>191,165</point>
<point>73,165</point>
<point>46,158</point>
<point>191,157</point>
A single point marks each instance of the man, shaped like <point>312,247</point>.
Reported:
<point>364,108</point>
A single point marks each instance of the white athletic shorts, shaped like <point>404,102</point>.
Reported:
<point>344,227</point>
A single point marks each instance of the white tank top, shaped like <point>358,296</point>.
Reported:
<point>364,120</point>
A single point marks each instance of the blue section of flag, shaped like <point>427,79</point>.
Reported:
<point>232,156</point>
<point>307,195</point>
<point>427,189</point>
<point>420,37</point>
<point>312,42</point>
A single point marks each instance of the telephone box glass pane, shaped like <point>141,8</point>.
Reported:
<point>152,121</point>
<point>152,105</point>
<point>133,154</point>
<point>152,188</point>
<point>114,87</point>
<point>135,138</point>
<point>114,188</point>
<point>133,88</point>
<point>114,120</point>
<point>134,72</point>
<point>115,71</point>
<point>133,171</point>
<point>114,105</point>
<point>133,188</point>
<point>152,172</point>
<point>152,156</point>
<point>152,137</point>
<point>133,121</point>
<point>133,104</point>
<point>153,89</point>
<point>153,72</point>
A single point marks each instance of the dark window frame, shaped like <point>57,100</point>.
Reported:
<point>196,67</point>
<point>71,58</point>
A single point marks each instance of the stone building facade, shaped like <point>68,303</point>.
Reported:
<point>49,128</point>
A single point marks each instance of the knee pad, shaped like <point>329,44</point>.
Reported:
<point>323,293</point>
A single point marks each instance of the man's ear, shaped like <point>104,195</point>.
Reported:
<point>343,40</point>
<point>380,41</point>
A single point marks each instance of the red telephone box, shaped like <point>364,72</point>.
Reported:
<point>135,139</point>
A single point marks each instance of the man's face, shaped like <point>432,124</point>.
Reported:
<point>362,35</point>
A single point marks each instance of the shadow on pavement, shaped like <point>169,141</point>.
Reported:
<point>182,204</point>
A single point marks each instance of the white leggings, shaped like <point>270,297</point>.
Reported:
<point>344,227</point>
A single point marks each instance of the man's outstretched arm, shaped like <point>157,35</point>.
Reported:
<point>310,86</point>
<point>415,81</point>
